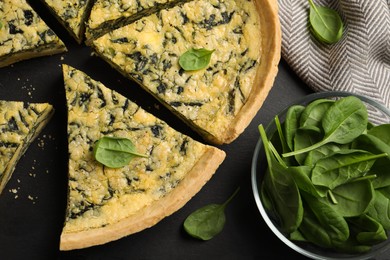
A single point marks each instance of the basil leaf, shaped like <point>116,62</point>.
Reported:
<point>326,23</point>
<point>195,59</point>
<point>115,152</point>
<point>208,221</point>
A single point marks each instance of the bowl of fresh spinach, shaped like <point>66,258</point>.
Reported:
<point>321,176</point>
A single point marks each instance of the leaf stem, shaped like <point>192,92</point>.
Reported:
<point>280,132</point>
<point>277,155</point>
<point>318,13</point>
<point>231,197</point>
<point>305,150</point>
<point>367,177</point>
<point>332,197</point>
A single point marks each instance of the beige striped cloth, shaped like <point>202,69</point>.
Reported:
<point>358,63</point>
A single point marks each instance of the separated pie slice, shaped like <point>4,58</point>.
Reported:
<point>72,14</point>
<point>105,204</point>
<point>20,123</point>
<point>220,100</point>
<point>107,15</point>
<point>23,34</point>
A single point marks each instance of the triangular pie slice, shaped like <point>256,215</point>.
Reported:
<point>23,34</point>
<point>20,123</point>
<point>220,100</point>
<point>105,204</point>
<point>107,15</point>
<point>72,14</point>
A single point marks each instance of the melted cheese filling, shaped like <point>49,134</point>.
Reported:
<point>71,13</point>
<point>148,51</point>
<point>22,30</point>
<point>18,127</point>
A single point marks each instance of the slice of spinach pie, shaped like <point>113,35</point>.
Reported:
<point>107,15</point>
<point>20,124</point>
<point>23,34</point>
<point>72,14</point>
<point>242,38</point>
<point>106,203</point>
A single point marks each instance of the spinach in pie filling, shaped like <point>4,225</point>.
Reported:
<point>209,99</point>
<point>23,34</point>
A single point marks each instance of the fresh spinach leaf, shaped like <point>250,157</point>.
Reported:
<point>381,167</point>
<point>301,175</point>
<point>326,23</point>
<point>345,120</point>
<point>342,166</point>
<point>297,236</point>
<point>338,163</point>
<point>305,137</point>
<point>380,208</point>
<point>331,226</point>
<point>382,132</point>
<point>208,221</point>
<point>115,152</point>
<point>353,198</point>
<point>282,190</point>
<point>291,124</point>
<point>314,155</point>
<point>368,230</point>
<point>312,230</point>
<point>195,59</point>
<point>280,131</point>
<point>314,112</point>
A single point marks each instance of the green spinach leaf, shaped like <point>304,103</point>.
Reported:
<point>368,230</point>
<point>195,59</point>
<point>342,166</point>
<point>291,124</point>
<point>282,190</point>
<point>322,216</point>
<point>305,137</point>
<point>380,208</point>
<point>301,175</point>
<point>326,23</point>
<point>345,120</point>
<point>381,167</point>
<point>353,198</point>
<point>314,112</point>
<point>115,152</point>
<point>321,152</point>
<point>382,132</point>
<point>208,221</point>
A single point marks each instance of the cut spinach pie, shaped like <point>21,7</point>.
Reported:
<point>107,15</point>
<point>105,204</point>
<point>220,100</point>
<point>23,34</point>
<point>72,14</point>
<point>20,123</point>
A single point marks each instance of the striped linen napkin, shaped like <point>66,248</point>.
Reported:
<point>358,63</point>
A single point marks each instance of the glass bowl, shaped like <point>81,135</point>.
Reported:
<point>378,114</point>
